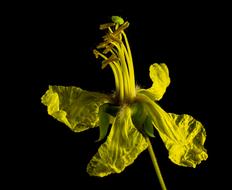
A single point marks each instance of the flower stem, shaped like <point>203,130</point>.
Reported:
<point>155,164</point>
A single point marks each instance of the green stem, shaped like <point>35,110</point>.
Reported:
<point>155,164</point>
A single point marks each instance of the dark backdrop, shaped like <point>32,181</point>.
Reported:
<point>53,44</point>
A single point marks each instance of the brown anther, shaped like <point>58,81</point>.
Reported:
<point>102,44</point>
<point>96,53</point>
<point>105,26</point>
<point>111,59</point>
<point>108,48</point>
<point>114,38</point>
<point>121,28</point>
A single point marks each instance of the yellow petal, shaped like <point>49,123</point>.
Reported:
<point>76,108</point>
<point>183,136</point>
<point>159,75</point>
<point>121,148</point>
<point>191,152</point>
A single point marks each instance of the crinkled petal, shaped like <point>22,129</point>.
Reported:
<point>159,75</point>
<point>76,108</point>
<point>192,152</point>
<point>121,148</point>
<point>182,135</point>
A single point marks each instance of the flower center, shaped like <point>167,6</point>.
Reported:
<point>116,53</point>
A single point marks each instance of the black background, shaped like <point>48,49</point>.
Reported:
<point>51,44</point>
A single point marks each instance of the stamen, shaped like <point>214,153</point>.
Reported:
<point>114,38</point>
<point>107,37</point>
<point>121,28</point>
<point>103,44</point>
<point>105,26</point>
<point>108,48</point>
<point>96,53</point>
<point>120,59</point>
<point>130,64</point>
<point>111,59</point>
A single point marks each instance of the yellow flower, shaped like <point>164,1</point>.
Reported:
<point>130,114</point>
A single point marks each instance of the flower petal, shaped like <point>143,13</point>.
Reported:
<point>159,75</point>
<point>182,135</point>
<point>121,148</point>
<point>193,151</point>
<point>76,108</point>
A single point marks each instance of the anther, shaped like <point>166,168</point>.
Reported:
<point>121,28</point>
<point>96,53</point>
<point>103,44</point>
<point>114,38</point>
<point>108,48</point>
<point>105,26</point>
<point>111,59</point>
